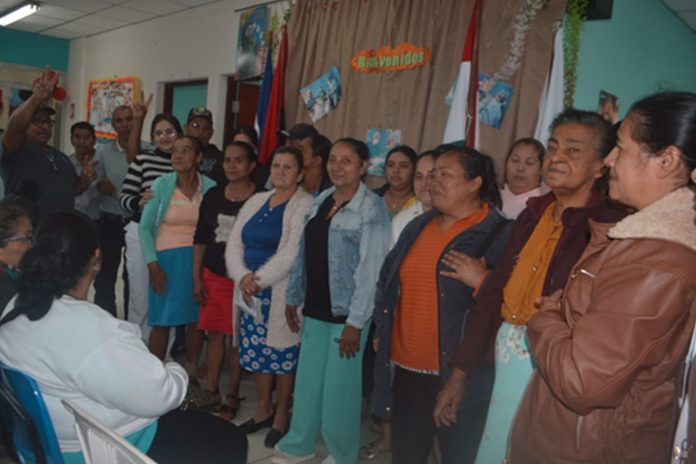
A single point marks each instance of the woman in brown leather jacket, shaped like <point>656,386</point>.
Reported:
<point>608,349</point>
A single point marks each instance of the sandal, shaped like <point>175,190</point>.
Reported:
<point>373,450</point>
<point>228,409</point>
<point>200,399</point>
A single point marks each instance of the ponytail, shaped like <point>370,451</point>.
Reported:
<point>489,185</point>
<point>64,244</point>
<point>476,164</point>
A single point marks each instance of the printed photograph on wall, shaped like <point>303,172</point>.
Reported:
<point>322,95</point>
<point>379,142</point>
<point>250,54</point>
<point>494,99</point>
<point>103,96</point>
<point>608,106</point>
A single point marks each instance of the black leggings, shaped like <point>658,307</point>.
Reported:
<point>192,436</point>
<point>413,427</point>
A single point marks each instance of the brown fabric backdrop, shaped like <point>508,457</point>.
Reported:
<point>326,33</point>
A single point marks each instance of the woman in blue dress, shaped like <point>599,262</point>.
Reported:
<point>260,254</point>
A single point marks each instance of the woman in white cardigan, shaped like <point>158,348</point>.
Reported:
<point>260,254</point>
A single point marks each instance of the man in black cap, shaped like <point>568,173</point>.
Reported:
<point>30,167</point>
<point>199,124</point>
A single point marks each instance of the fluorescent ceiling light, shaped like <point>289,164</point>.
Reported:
<point>19,12</point>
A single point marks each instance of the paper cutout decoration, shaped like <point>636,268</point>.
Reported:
<point>403,56</point>
<point>322,95</point>
<point>379,142</point>
<point>494,99</point>
<point>105,95</point>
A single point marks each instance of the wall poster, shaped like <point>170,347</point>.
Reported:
<point>105,95</point>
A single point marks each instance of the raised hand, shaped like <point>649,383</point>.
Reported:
<point>140,107</point>
<point>44,85</point>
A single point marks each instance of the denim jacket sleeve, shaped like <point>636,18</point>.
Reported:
<point>297,284</point>
<point>374,245</point>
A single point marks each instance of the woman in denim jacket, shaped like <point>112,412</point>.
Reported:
<point>334,278</point>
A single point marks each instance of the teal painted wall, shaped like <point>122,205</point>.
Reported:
<point>644,48</point>
<point>25,48</point>
<point>185,98</point>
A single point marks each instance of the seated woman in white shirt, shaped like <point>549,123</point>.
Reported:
<point>522,175</point>
<point>78,352</point>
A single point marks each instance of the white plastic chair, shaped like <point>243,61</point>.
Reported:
<point>99,444</point>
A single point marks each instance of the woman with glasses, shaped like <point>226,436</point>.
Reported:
<point>142,172</point>
<point>15,240</point>
<point>98,362</point>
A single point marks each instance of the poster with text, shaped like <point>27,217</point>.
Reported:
<point>105,95</point>
<point>379,142</point>
<point>322,95</point>
<point>494,99</point>
<point>250,52</point>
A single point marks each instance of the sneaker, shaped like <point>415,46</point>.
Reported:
<point>329,460</point>
<point>281,457</point>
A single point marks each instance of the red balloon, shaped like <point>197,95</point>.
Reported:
<point>60,94</point>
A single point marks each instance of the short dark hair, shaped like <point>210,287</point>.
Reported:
<point>406,150</point>
<point>288,150</point>
<point>664,119</point>
<point>196,143</point>
<point>248,150</point>
<point>83,125</point>
<point>9,215</point>
<point>476,164</point>
<point>358,146</point>
<point>605,134</point>
<point>249,132</point>
<point>532,142</point>
<point>170,119</point>
<point>321,146</point>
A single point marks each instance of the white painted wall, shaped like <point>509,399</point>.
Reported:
<point>192,44</point>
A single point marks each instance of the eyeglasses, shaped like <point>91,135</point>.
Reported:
<point>45,122</point>
<point>19,238</point>
<point>160,134</point>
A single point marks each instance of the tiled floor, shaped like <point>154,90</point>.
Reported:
<point>259,454</point>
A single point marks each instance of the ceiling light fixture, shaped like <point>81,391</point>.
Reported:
<point>18,12</point>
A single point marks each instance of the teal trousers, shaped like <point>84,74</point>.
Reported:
<point>328,391</point>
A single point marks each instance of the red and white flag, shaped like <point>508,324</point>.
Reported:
<point>462,123</point>
<point>275,114</point>
<point>551,101</point>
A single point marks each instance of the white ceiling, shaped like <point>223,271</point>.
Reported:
<point>685,9</point>
<point>70,19</point>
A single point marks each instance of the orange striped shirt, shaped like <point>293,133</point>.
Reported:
<point>414,343</point>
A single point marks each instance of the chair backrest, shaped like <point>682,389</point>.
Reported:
<point>17,427</point>
<point>101,445</point>
<point>29,404</point>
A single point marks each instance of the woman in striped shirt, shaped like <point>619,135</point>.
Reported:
<point>142,172</point>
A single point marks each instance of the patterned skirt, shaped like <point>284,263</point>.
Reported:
<point>254,354</point>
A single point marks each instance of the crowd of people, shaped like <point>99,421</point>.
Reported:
<point>545,321</point>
